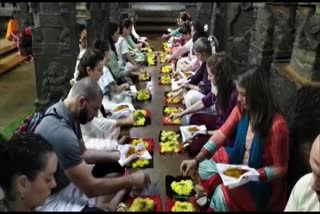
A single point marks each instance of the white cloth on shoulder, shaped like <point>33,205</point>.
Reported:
<point>68,199</point>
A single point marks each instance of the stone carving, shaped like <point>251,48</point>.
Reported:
<point>310,35</point>
<point>284,32</point>
<point>55,85</point>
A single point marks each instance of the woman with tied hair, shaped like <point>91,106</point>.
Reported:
<point>102,132</point>
<point>119,73</point>
<point>127,59</point>
<point>191,62</point>
<point>28,165</point>
<point>183,18</point>
<point>261,142</point>
<point>223,96</point>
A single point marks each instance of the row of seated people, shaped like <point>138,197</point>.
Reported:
<point>251,131</point>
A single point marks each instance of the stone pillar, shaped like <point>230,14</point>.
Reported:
<point>55,48</point>
<point>114,12</point>
<point>25,16</point>
<point>306,51</point>
<point>220,29</point>
<point>204,12</point>
<point>284,31</point>
<point>261,47</point>
<point>98,21</point>
<point>240,23</point>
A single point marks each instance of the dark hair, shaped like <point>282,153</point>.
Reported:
<point>80,27</point>
<point>113,27</point>
<point>185,16</point>
<point>125,23</point>
<point>261,104</point>
<point>23,154</point>
<point>222,67</point>
<point>101,45</point>
<point>185,28</point>
<point>199,30</point>
<point>90,58</point>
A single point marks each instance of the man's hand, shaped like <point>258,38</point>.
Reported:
<point>175,116</point>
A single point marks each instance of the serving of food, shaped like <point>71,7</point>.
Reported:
<point>169,136</point>
<point>193,129</point>
<point>133,150</point>
<point>169,121</point>
<point>170,99</point>
<point>140,117</point>
<point>151,59</point>
<point>235,172</point>
<point>166,69</point>
<point>144,76</point>
<point>120,108</point>
<point>165,79</point>
<point>182,206</point>
<point>143,94</point>
<point>163,56</point>
<point>140,204</point>
<point>183,187</point>
<point>168,110</point>
<point>169,142</point>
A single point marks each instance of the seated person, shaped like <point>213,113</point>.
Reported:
<point>24,42</point>
<point>135,37</point>
<point>12,28</point>
<point>261,142</point>
<point>198,85</point>
<point>223,97</point>
<point>28,165</point>
<point>134,49</point>
<point>78,184</point>
<point>305,195</point>
<point>113,92</point>
<point>101,132</point>
<point>183,18</point>
<point>125,58</point>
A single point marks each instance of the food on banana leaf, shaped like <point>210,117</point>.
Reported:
<point>168,110</point>
<point>140,163</point>
<point>173,100</point>
<point>175,121</point>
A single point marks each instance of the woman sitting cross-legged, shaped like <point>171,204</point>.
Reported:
<point>223,97</point>
<point>101,133</point>
<point>261,142</point>
<point>27,166</point>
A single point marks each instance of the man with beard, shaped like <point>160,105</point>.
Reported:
<point>305,195</point>
<point>75,181</point>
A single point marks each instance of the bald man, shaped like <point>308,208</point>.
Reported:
<point>77,189</point>
<point>305,195</point>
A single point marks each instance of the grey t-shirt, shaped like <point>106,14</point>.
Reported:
<point>64,135</point>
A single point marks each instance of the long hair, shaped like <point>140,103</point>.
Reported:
<point>199,30</point>
<point>222,67</point>
<point>113,27</point>
<point>125,23</point>
<point>185,28</point>
<point>261,104</point>
<point>90,59</point>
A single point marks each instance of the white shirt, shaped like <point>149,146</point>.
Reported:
<point>302,197</point>
<point>122,48</point>
<point>105,79</point>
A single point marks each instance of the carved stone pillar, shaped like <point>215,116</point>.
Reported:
<point>261,48</point>
<point>55,48</point>
<point>98,21</point>
<point>25,16</point>
<point>284,31</point>
<point>306,51</point>
<point>114,12</point>
<point>220,29</point>
<point>204,12</point>
<point>240,22</point>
